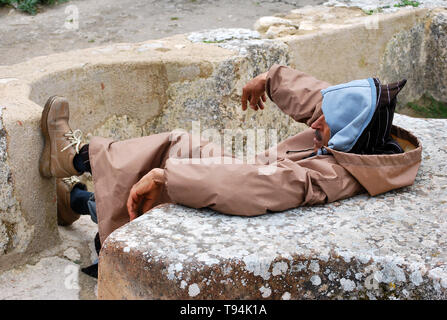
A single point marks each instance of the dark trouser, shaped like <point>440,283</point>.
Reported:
<point>83,202</point>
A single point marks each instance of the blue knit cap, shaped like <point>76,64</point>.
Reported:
<point>348,108</point>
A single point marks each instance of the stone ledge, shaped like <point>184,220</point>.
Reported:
<point>392,246</point>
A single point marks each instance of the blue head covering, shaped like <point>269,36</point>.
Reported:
<point>348,108</point>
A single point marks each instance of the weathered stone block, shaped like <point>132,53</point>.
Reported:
<point>393,246</point>
<point>341,44</point>
<point>27,202</point>
<point>436,66</point>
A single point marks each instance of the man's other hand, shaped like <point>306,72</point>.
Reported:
<point>145,193</point>
<point>254,92</point>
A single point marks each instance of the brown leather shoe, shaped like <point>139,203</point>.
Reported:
<point>61,143</point>
<point>65,215</point>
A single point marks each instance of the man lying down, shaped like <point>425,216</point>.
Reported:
<point>351,147</point>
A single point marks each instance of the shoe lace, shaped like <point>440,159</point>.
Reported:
<point>75,137</point>
<point>71,181</point>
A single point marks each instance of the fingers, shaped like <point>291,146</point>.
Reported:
<point>253,102</point>
<point>137,194</point>
<point>256,101</point>
<point>260,104</point>
<point>132,204</point>
<point>145,193</point>
<point>263,98</point>
<point>254,91</point>
<point>148,204</point>
<point>144,196</point>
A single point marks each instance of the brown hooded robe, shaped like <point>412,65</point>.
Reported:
<point>239,188</point>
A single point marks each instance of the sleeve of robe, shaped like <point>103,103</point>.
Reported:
<point>296,93</point>
<point>243,189</point>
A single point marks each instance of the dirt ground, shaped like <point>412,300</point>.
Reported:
<point>101,22</point>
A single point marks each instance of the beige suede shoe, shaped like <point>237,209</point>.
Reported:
<point>65,215</point>
<point>61,143</point>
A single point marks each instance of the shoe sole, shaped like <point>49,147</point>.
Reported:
<point>45,158</point>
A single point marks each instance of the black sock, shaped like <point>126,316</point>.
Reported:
<point>79,197</point>
<point>81,161</point>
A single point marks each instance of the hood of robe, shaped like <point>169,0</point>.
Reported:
<point>379,173</point>
<point>363,139</point>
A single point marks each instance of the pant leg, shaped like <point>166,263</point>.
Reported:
<point>118,165</point>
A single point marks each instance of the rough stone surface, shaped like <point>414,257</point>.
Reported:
<point>50,279</point>
<point>275,26</point>
<point>436,66</point>
<point>308,20</point>
<point>392,246</point>
<point>405,58</point>
<point>27,203</point>
<point>325,33</point>
<point>55,272</point>
<point>17,231</point>
<point>419,53</point>
<point>410,44</point>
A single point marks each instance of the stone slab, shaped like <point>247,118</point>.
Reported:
<point>51,278</point>
<point>55,273</point>
<point>392,246</point>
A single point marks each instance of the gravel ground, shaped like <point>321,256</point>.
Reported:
<point>89,23</point>
<point>102,22</point>
<point>371,5</point>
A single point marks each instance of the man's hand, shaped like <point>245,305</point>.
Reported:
<point>145,192</point>
<point>254,91</point>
